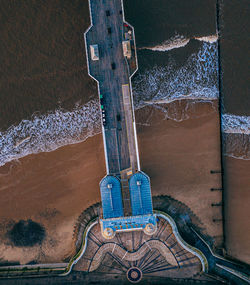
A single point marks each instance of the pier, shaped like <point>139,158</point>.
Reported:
<point>111,57</point>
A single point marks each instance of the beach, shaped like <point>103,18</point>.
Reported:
<point>237,197</point>
<point>235,102</point>
<point>50,119</point>
<point>54,188</point>
<point>178,157</point>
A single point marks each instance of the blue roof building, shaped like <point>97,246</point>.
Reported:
<point>111,197</point>
<point>141,203</point>
<point>140,194</point>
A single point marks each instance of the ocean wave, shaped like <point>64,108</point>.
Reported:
<point>196,80</point>
<point>209,39</point>
<point>179,41</point>
<point>236,145</point>
<point>48,132</point>
<point>175,42</point>
<point>44,133</point>
<point>181,110</point>
<point>236,136</point>
<point>235,124</point>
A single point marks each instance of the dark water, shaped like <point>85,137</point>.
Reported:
<point>43,74</point>
<point>45,89</point>
<point>42,57</point>
<point>235,31</point>
<point>158,20</point>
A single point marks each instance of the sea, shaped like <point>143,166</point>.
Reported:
<point>187,50</point>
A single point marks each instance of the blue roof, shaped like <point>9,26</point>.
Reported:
<point>111,197</point>
<point>129,223</point>
<point>140,194</point>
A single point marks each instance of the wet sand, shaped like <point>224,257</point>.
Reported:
<point>178,157</point>
<point>234,18</point>
<point>42,71</point>
<point>237,201</point>
<point>54,188</point>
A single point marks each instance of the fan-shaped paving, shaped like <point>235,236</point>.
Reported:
<point>159,254</point>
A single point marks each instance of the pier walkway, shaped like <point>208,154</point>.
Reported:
<point>111,56</point>
<point>112,70</point>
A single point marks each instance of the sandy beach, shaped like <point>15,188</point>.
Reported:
<point>237,199</point>
<point>178,156</point>
<point>54,188</point>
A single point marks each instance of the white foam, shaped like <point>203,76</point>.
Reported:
<point>175,42</point>
<point>179,112</point>
<point>236,145</point>
<point>235,124</point>
<point>209,39</point>
<point>48,132</point>
<point>196,80</point>
<point>179,41</point>
<point>236,136</point>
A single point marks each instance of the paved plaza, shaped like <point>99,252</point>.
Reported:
<point>159,254</point>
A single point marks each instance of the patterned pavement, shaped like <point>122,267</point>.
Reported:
<point>156,255</point>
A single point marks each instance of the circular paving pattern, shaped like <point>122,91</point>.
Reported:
<point>150,229</point>
<point>134,274</point>
<point>108,233</point>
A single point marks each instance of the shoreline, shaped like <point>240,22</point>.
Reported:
<point>49,188</point>
<point>237,199</point>
<point>54,188</point>
<point>44,141</point>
